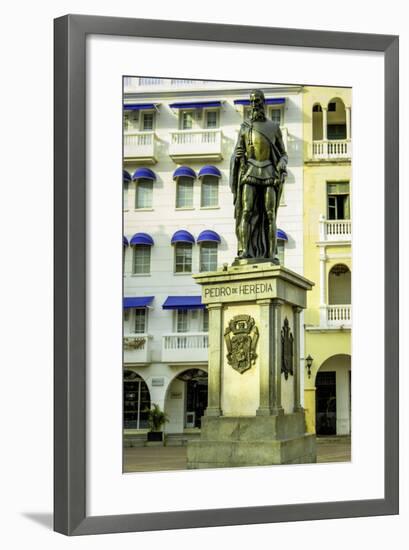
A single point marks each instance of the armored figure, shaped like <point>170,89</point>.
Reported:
<point>258,170</point>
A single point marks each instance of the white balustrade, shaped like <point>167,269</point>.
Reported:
<point>131,82</point>
<point>331,149</point>
<point>189,346</point>
<point>191,144</point>
<point>146,81</point>
<point>340,314</point>
<point>195,137</point>
<point>140,145</point>
<point>336,230</point>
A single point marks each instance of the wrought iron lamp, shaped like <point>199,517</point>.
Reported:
<point>309,360</point>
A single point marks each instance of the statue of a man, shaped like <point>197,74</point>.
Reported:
<point>258,170</point>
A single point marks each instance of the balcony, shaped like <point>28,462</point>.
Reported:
<point>187,145</point>
<point>335,230</point>
<point>334,149</point>
<point>137,348</point>
<point>189,347</point>
<point>140,147</point>
<point>339,315</point>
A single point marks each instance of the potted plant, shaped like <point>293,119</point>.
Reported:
<point>156,419</point>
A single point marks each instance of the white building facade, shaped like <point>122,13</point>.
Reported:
<point>178,220</point>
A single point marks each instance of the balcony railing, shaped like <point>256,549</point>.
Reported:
<point>335,230</point>
<point>185,347</point>
<point>134,82</point>
<point>339,315</point>
<point>140,147</point>
<point>196,144</point>
<point>137,348</point>
<point>331,149</point>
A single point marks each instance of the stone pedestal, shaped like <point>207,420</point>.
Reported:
<point>254,414</point>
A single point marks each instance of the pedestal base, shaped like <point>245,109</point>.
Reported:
<point>252,441</point>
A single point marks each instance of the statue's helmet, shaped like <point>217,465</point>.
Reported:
<point>257,99</point>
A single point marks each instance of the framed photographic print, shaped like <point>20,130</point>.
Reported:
<point>243,339</point>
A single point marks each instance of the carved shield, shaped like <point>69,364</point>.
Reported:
<point>241,336</point>
<point>287,353</point>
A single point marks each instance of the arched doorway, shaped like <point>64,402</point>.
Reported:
<point>136,399</point>
<point>339,285</point>
<point>186,400</point>
<point>333,396</point>
<point>317,131</point>
<point>336,121</point>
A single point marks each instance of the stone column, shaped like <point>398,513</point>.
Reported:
<point>309,405</point>
<point>264,354</point>
<point>324,123</point>
<point>215,360</point>
<point>323,306</point>
<point>348,121</point>
<point>297,360</point>
<point>276,338</point>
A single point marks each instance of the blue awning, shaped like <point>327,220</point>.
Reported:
<point>139,106</point>
<point>141,301</point>
<point>195,105</point>
<point>207,236</point>
<point>126,176</point>
<point>269,101</point>
<point>182,236</point>
<point>145,173</point>
<point>125,241</point>
<point>210,170</point>
<point>183,302</point>
<point>185,171</point>
<point>281,235</point>
<point>141,238</point>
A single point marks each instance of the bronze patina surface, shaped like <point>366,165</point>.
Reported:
<point>258,170</point>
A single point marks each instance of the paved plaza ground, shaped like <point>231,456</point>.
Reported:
<point>149,459</point>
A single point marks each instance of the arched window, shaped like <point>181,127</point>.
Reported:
<point>126,180</point>
<point>208,256</point>
<point>141,259</point>
<point>141,262</point>
<point>143,193</point>
<point>336,119</point>
<point>183,242</point>
<point>183,258</point>
<point>184,192</point>
<point>208,241</point>
<point>209,192</point>
<point>136,401</point>
<point>209,176</point>
<point>339,285</point>
<point>317,130</point>
<point>184,177</point>
<point>144,178</point>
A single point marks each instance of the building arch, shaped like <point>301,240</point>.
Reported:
<point>336,119</point>
<point>136,399</point>
<point>339,285</point>
<point>186,399</point>
<point>317,128</point>
<point>333,396</point>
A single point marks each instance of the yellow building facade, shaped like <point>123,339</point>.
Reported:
<point>328,259</point>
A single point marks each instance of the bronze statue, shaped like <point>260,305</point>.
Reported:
<point>258,170</point>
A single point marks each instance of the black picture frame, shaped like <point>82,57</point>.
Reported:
<point>70,274</point>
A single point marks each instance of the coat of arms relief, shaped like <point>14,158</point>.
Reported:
<point>287,350</point>
<point>241,337</point>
